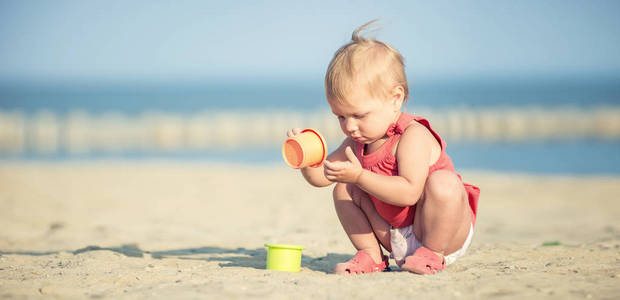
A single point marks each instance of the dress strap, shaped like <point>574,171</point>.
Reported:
<point>395,128</point>
<point>394,131</point>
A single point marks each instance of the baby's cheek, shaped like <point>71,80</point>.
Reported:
<point>343,128</point>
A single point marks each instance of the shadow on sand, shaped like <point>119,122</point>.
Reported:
<point>228,257</point>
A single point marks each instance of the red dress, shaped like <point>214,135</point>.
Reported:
<point>384,162</point>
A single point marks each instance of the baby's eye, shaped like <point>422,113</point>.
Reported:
<point>360,116</point>
<point>340,118</point>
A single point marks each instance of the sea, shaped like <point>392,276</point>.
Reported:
<point>588,155</point>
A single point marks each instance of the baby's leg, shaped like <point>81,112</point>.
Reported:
<point>443,217</point>
<point>360,220</point>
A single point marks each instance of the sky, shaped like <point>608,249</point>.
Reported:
<point>196,40</point>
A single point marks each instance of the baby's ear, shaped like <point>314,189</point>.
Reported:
<point>398,96</point>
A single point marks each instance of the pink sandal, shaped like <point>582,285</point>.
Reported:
<point>361,263</point>
<point>423,261</point>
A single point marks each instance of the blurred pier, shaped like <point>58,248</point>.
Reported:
<point>78,132</point>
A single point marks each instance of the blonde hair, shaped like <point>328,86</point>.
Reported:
<point>365,62</point>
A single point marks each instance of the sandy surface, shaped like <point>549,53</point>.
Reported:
<point>119,230</point>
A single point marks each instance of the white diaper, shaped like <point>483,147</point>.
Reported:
<point>404,243</point>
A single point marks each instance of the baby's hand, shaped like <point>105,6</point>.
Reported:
<point>293,132</point>
<point>344,171</point>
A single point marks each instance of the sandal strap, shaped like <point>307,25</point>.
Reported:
<point>363,263</point>
<point>424,261</point>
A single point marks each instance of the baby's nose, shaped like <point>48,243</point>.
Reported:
<point>351,126</point>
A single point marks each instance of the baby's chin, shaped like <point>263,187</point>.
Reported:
<point>364,140</point>
<point>360,140</point>
<point>367,141</point>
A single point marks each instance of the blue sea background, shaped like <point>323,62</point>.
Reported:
<point>183,58</point>
<point>585,156</point>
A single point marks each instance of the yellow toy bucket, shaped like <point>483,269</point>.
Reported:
<point>284,257</point>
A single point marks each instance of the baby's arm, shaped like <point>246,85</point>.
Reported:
<point>413,154</point>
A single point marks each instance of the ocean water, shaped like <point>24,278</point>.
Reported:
<point>586,156</point>
<point>263,95</point>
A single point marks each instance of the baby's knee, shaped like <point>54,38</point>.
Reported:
<point>346,192</point>
<point>443,186</point>
<point>341,192</point>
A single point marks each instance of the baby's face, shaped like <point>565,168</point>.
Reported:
<point>363,118</point>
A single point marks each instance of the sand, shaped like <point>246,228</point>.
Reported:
<point>186,230</point>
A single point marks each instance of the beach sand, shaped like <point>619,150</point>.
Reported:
<point>180,230</point>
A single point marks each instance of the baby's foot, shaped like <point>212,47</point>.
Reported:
<point>361,263</point>
<point>424,261</point>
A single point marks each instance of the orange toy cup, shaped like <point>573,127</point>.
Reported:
<point>305,149</point>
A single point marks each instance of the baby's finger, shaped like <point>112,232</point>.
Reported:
<point>333,166</point>
<point>338,165</point>
<point>331,177</point>
<point>327,164</point>
<point>296,131</point>
<point>329,171</point>
<point>289,133</point>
